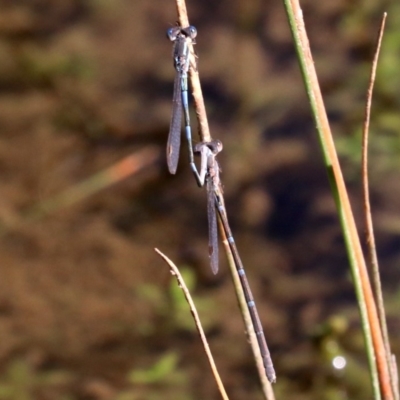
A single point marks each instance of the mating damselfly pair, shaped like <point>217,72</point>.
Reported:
<point>208,174</point>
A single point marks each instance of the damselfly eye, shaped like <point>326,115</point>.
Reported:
<point>192,32</point>
<point>172,33</point>
<point>215,146</point>
<point>218,144</point>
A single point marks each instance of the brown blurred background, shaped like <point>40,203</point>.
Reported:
<point>87,309</point>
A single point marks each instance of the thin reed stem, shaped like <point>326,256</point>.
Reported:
<point>369,316</point>
<point>370,237</point>
<point>181,283</point>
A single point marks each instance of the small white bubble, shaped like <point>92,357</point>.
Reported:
<point>339,362</point>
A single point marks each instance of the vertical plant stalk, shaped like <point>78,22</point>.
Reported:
<point>370,237</point>
<point>205,136</point>
<point>369,316</point>
<point>181,283</point>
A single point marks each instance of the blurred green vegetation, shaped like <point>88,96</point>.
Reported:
<point>165,379</point>
<point>21,381</point>
<point>171,307</point>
